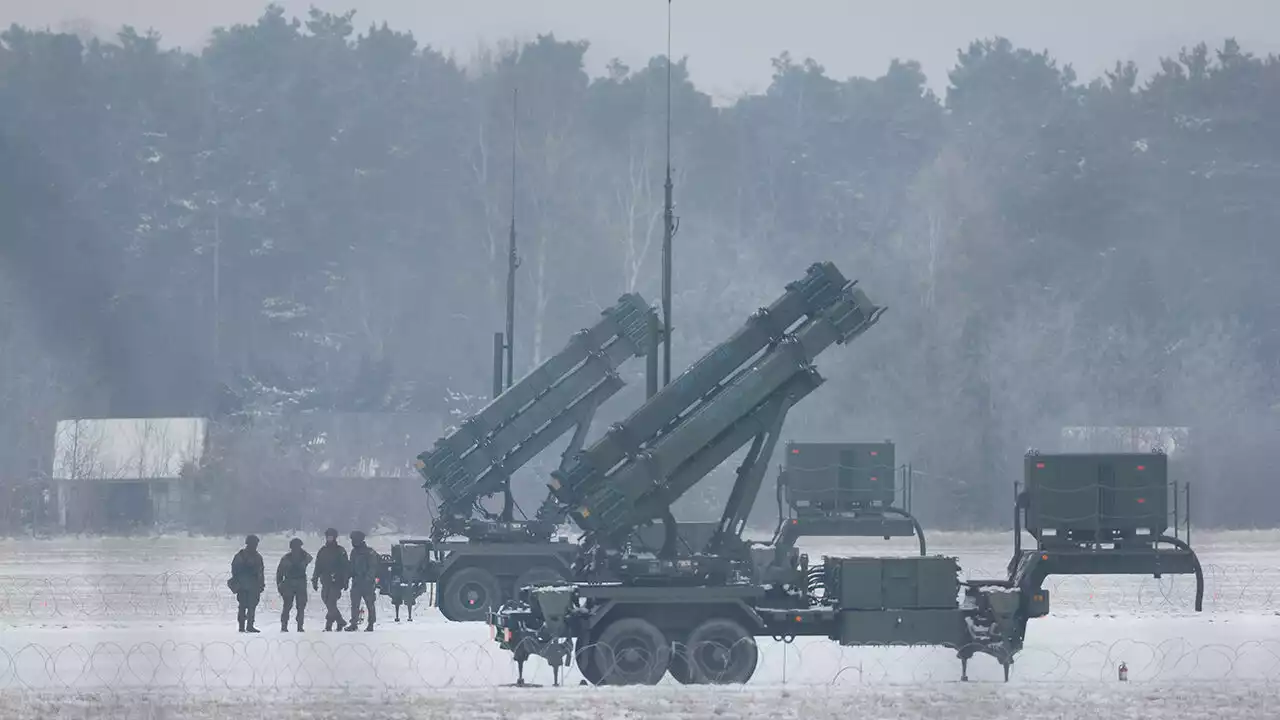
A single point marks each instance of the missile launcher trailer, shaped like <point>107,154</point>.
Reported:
<point>630,617</point>
<point>476,461</point>
<point>843,490</point>
<point>499,553</point>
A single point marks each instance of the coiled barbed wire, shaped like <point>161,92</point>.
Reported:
<point>263,664</point>
<point>1229,588</point>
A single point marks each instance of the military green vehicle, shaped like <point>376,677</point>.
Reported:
<point>629,616</point>
<point>476,559</point>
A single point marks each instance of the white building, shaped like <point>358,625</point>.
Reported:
<point>122,473</point>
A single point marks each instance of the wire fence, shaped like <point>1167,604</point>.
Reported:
<point>1229,588</point>
<point>293,665</point>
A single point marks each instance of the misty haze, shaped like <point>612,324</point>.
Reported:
<point>253,260</point>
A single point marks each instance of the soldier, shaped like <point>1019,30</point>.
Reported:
<point>291,581</point>
<point>248,580</point>
<point>364,575</point>
<point>331,569</point>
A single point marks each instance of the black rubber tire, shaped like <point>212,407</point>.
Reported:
<point>631,651</point>
<point>678,668</point>
<point>468,594</point>
<point>584,657</point>
<point>721,652</point>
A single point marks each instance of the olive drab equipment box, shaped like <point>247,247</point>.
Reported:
<point>822,478</point>
<point>909,583</point>
<point>1097,497</point>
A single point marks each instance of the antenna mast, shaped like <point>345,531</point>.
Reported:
<point>669,228</point>
<point>513,261</point>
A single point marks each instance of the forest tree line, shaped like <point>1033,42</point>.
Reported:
<point>303,215</point>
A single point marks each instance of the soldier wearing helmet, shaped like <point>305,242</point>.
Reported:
<point>291,581</point>
<point>364,577</point>
<point>331,571</point>
<point>248,580</point>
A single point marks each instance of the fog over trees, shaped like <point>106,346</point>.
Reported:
<point>312,214</point>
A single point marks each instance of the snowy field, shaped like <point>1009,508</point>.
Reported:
<point>145,628</point>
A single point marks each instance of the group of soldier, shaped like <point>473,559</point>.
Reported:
<point>335,572</point>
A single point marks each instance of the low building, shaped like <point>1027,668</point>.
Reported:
<point>125,474</point>
<point>293,471</point>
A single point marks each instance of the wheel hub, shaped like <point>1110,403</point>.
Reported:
<point>631,658</point>
<point>472,595</point>
<point>714,655</point>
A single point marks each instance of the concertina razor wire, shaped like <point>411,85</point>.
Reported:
<point>268,664</point>
<point>1229,588</point>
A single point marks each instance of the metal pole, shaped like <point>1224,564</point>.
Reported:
<point>513,261</point>
<point>1017,521</point>
<point>668,228</point>
<point>217,292</point>
<point>1187,488</point>
<point>1177,530</point>
<point>497,364</point>
<point>651,358</point>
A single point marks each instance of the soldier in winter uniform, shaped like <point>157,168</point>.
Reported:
<point>248,580</point>
<point>291,581</point>
<point>364,575</point>
<point>331,570</point>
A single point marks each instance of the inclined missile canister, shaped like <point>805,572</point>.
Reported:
<point>608,502</point>
<point>471,461</point>
<point>806,297</point>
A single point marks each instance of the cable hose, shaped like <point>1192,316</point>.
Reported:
<point>815,581</point>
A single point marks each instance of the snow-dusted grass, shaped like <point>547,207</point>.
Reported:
<point>1201,701</point>
<point>144,628</point>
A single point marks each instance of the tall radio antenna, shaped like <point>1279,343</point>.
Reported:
<point>513,260</point>
<point>668,229</point>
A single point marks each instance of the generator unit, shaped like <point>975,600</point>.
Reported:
<point>896,601</point>
<point>1107,497</point>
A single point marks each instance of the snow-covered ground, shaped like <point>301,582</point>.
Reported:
<point>145,628</point>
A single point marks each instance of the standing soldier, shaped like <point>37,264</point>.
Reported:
<point>291,581</point>
<point>331,569</point>
<point>364,575</point>
<point>248,580</point>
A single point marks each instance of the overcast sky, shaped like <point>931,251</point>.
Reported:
<point>730,42</point>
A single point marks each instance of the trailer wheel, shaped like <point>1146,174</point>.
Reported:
<point>468,594</point>
<point>631,651</point>
<point>679,666</point>
<point>721,652</point>
<point>584,657</point>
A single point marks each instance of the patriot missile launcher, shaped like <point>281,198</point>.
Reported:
<point>631,616</point>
